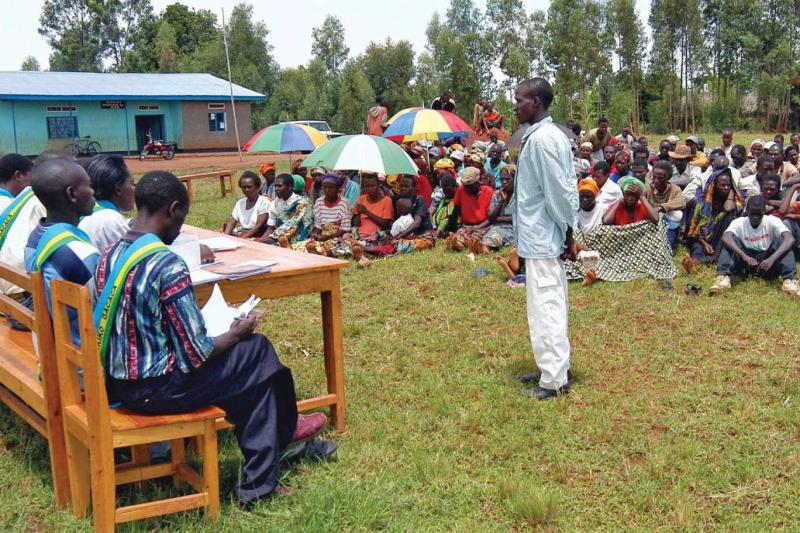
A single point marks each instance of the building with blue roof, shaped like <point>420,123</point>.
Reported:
<point>48,110</point>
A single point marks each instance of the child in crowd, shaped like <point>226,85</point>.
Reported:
<point>404,219</point>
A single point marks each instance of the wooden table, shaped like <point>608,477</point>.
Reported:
<point>223,175</point>
<point>295,273</point>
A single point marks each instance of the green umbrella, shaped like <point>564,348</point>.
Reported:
<point>365,153</point>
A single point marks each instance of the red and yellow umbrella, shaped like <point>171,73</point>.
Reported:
<point>417,124</point>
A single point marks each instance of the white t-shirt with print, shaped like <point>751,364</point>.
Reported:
<point>247,217</point>
<point>760,238</point>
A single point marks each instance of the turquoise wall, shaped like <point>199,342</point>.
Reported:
<point>106,126</point>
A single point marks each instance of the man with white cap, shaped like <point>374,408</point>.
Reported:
<point>699,159</point>
<point>545,206</point>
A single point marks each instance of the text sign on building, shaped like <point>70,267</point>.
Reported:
<point>112,104</point>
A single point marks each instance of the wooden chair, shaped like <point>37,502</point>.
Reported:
<point>93,430</point>
<point>28,383</point>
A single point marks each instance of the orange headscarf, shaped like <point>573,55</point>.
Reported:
<point>265,167</point>
<point>588,184</point>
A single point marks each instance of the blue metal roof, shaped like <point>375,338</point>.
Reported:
<point>124,86</point>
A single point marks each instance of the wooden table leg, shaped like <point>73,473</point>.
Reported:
<point>222,186</point>
<point>189,190</point>
<point>334,348</point>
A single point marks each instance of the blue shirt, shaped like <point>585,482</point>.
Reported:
<point>545,199</point>
<point>495,171</point>
<point>74,261</point>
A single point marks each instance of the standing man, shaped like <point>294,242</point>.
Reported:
<point>444,102</point>
<point>599,137</point>
<point>377,117</point>
<point>544,212</point>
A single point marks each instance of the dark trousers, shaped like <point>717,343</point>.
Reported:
<point>253,388</point>
<point>794,228</point>
<point>730,263</point>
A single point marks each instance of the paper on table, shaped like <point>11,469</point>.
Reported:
<point>220,244</point>
<point>200,276</point>
<point>243,270</point>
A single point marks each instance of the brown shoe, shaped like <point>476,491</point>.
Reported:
<point>308,427</point>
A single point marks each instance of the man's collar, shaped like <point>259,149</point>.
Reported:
<point>533,127</point>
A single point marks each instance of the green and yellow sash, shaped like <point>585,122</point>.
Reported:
<point>12,211</point>
<point>54,238</point>
<point>106,307</point>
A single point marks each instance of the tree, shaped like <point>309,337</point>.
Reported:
<point>317,102</point>
<point>577,68</point>
<point>355,98</point>
<point>629,48</point>
<point>167,48</point>
<point>389,68</point>
<point>77,31</point>
<point>127,20</point>
<point>286,102</point>
<point>193,28</point>
<point>328,44</point>
<point>30,63</point>
<point>507,34</point>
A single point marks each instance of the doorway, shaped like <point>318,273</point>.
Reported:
<point>153,123</point>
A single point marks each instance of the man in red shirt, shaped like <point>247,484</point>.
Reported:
<point>633,207</point>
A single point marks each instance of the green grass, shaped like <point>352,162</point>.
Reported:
<point>684,415</point>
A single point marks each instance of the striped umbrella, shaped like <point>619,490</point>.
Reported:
<point>417,124</point>
<point>285,137</point>
<point>365,153</point>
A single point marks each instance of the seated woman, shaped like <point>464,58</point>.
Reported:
<point>373,212</point>
<point>584,162</point>
<point>332,216</point>
<point>471,202</point>
<point>501,231</point>
<point>491,117</point>
<point>267,170</point>
<point>590,214</point>
<point>114,191</point>
<point>717,204</point>
<point>290,217</point>
<point>632,208</point>
<point>249,216</point>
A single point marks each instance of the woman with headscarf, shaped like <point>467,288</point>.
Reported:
<point>267,170</point>
<point>632,208</point>
<point>590,213</point>
<point>446,164</point>
<point>717,204</point>
<point>501,231</point>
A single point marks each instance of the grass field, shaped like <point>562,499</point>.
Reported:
<point>683,415</point>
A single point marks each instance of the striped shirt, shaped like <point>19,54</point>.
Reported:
<point>158,327</point>
<point>74,261</point>
<point>339,214</point>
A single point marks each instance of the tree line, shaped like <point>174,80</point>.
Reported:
<point>706,64</point>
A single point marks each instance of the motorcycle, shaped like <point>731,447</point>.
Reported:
<point>163,148</point>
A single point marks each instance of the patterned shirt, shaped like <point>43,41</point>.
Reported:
<point>339,214</point>
<point>158,327</point>
<point>292,217</point>
<point>74,261</point>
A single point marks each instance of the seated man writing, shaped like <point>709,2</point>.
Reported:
<point>290,216</point>
<point>632,208</point>
<point>757,245</point>
<point>159,358</point>
<point>56,247</point>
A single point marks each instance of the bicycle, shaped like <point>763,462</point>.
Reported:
<point>83,146</point>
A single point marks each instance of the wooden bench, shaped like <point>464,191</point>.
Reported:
<point>35,401</point>
<point>223,175</point>
<point>93,430</point>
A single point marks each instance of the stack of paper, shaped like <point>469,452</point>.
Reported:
<point>219,316</point>
<point>220,244</point>
<point>242,270</point>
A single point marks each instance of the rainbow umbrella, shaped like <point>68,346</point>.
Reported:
<point>417,124</point>
<point>285,137</point>
<point>365,153</point>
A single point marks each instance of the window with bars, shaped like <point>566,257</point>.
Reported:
<point>217,122</point>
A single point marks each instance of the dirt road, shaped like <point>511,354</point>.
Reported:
<point>203,161</point>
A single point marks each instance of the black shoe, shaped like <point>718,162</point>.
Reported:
<point>311,450</point>
<point>534,377</point>
<point>544,394</point>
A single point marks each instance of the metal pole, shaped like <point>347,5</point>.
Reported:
<point>230,84</point>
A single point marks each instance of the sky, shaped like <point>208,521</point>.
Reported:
<point>364,21</point>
